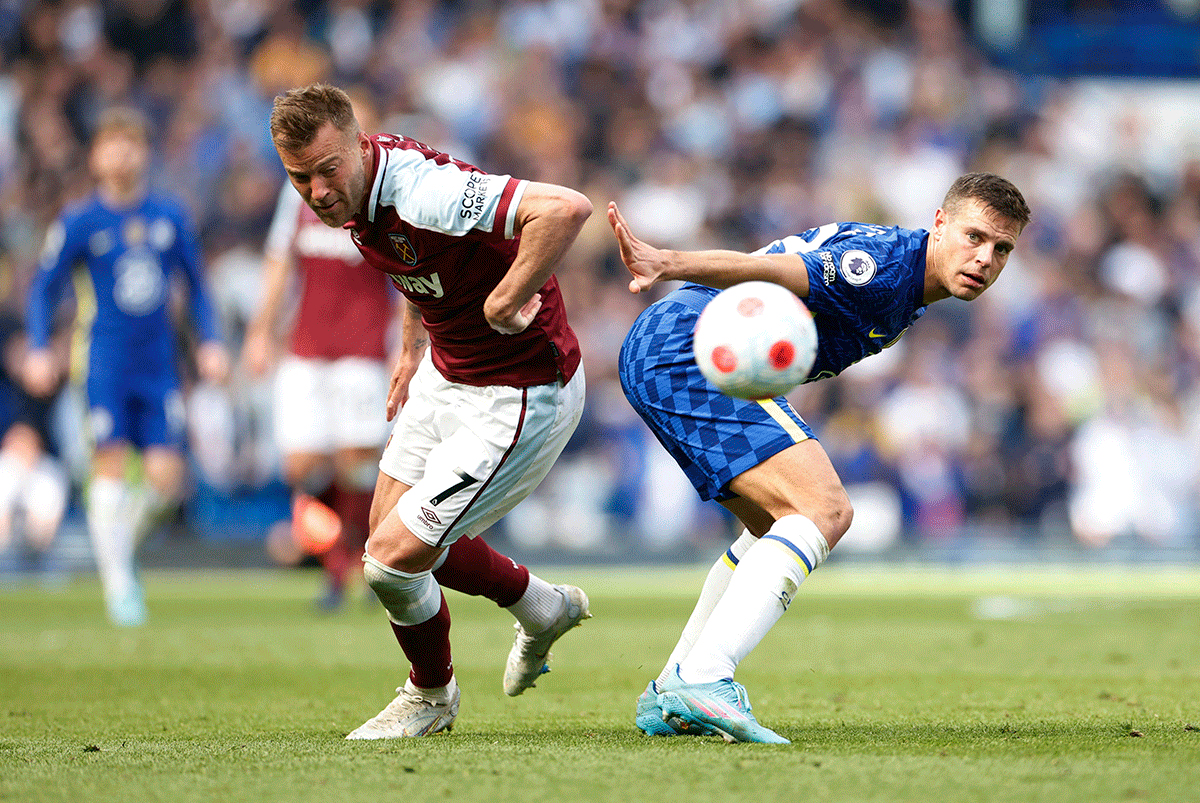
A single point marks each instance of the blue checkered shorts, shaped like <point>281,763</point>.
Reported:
<point>712,436</point>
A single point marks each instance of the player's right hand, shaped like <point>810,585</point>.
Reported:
<point>644,262</point>
<point>41,373</point>
<point>402,374</point>
<point>256,352</point>
<point>212,361</point>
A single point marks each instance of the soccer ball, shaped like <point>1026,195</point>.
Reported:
<point>755,340</point>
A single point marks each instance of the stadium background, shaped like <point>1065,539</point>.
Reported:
<point>1057,416</point>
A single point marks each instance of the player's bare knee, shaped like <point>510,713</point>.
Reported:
<point>391,545</point>
<point>839,515</point>
<point>830,511</point>
<point>165,472</point>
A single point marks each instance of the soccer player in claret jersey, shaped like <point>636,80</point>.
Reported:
<point>864,285</point>
<point>483,412</point>
<point>132,242</point>
<point>330,422</point>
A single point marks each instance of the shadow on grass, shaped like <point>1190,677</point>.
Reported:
<point>839,737</point>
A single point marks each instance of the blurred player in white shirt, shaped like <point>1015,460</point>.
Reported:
<point>330,420</point>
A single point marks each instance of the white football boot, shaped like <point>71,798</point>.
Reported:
<point>529,654</point>
<point>414,712</point>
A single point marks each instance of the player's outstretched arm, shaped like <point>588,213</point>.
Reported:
<point>549,218</point>
<point>715,268</point>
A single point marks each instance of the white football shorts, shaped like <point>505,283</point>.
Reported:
<point>325,405</point>
<point>472,453</point>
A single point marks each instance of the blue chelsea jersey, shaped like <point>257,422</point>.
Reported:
<point>865,287</point>
<point>130,256</point>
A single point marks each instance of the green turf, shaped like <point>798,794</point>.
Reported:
<point>893,685</point>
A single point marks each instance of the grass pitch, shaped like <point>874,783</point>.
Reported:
<point>893,685</point>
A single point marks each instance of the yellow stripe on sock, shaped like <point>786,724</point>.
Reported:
<point>788,549</point>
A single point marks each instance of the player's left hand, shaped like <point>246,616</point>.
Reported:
<point>212,361</point>
<point>519,320</point>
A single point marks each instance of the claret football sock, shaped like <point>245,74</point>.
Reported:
<point>427,647</point>
<point>420,619</point>
<point>470,566</point>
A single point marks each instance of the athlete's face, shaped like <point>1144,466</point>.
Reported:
<point>331,173</point>
<point>119,161</point>
<point>969,249</point>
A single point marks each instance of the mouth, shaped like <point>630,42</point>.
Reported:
<point>975,280</point>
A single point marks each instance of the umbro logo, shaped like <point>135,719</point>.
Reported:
<point>429,518</point>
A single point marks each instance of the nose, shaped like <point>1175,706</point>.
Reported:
<point>985,254</point>
<point>318,189</point>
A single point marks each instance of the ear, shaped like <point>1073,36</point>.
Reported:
<point>940,218</point>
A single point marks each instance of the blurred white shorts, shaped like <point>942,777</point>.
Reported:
<point>472,453</point>
<point>325,405</point>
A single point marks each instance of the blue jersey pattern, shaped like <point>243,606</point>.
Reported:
<point>713,437</point>
<point>865,288</point>
<point>131,256</point>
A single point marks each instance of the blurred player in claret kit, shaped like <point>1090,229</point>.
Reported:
<point>330,420</point>
<point>486,392</point>
<point>132,241</point>
<point>864,285</point>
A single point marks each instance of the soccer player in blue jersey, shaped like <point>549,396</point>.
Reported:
<point>864,285</point>
<point>131,242</point>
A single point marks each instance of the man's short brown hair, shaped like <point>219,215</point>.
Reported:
<point>998,193</point>
<point>298,114</point>
<point>125,121</point>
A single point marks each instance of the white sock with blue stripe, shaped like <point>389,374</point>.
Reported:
<point>714,587</point>
<point>760,590</point>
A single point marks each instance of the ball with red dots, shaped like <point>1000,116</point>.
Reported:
<point>755,340</point>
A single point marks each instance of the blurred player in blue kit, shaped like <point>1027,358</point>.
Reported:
<point>132,241</point>
<point>864,284</point>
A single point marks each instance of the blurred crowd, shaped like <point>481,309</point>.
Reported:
<point>1064,403</point>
